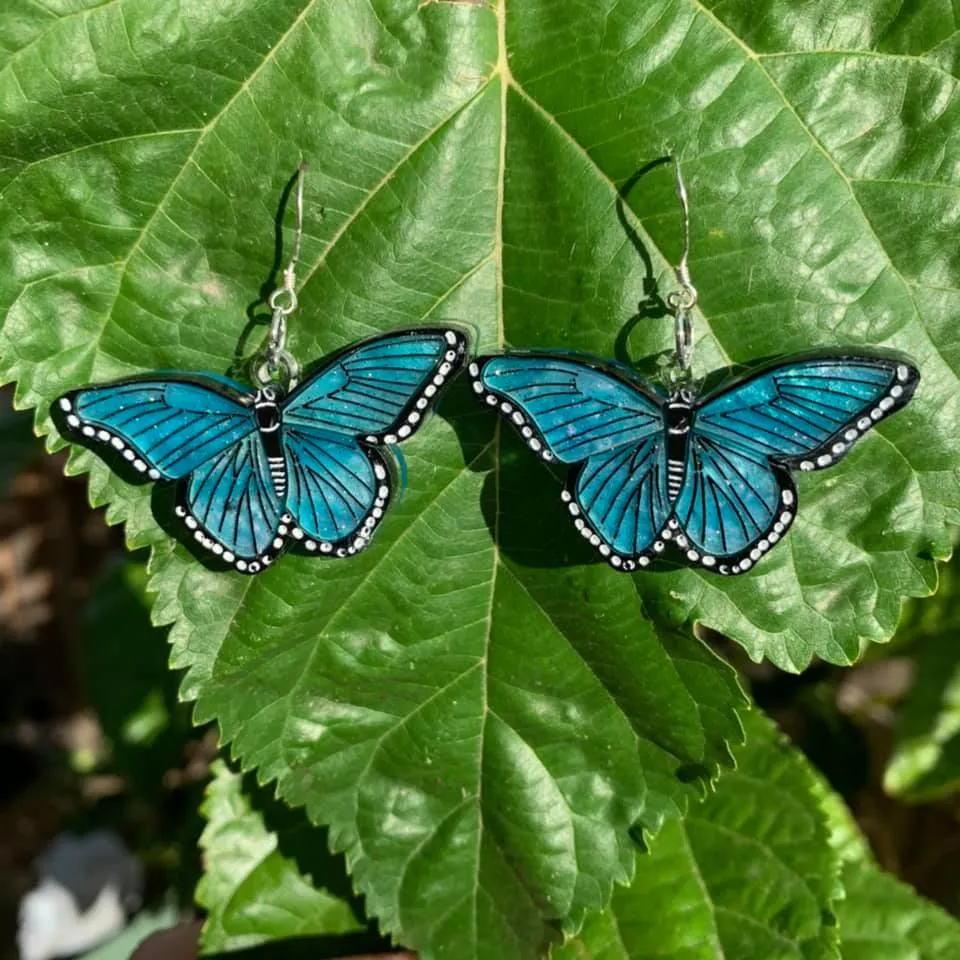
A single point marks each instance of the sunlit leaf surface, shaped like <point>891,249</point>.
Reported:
<point>478,709</point>
<point>691,899</point>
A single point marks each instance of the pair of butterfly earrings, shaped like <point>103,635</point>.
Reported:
<point>305,465</point>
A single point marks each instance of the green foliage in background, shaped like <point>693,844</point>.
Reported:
<point>253,893</point>
<point>689,899</point>
<point>926,757</point>
<point>813,890</point>
<point>123,664</point>
<point>486,718</point>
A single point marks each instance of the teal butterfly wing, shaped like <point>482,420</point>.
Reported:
<point>738,498</point>
<point>232,506</point>
<point>163,427</point>
<point>200,431</point>
<point>368,398</point>
<point>622,497</point>
<point>338,491</point>
<point>608,424</point>
<point>379,390</point>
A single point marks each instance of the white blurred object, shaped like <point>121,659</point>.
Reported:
<point>51,926</point>
<point>88,885</point>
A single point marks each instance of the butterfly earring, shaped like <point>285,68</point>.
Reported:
<point>704,478</point>
<point>285,465</point>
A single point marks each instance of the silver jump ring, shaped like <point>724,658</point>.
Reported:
<point>683,299</point>
<point>278,306</point>
<point>279,365</point>
<point>684,339</point>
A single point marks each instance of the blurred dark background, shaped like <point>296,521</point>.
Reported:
<point>92,735</point>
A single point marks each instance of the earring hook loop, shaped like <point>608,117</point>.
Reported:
<point>276,359</point>
<point>682,301</point>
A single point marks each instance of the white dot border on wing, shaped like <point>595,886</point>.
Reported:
<point>616,560</point>
<point>109,439</point>
<point>447,367</point>
<point>243,564</point>
<point>766,543</point>
<point>886,405</point>
<point>672,534</point>
<point>531,435</point>
<point>360,540</point>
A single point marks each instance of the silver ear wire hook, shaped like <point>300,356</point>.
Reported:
<point>682,301</point>
<point>283,301</point>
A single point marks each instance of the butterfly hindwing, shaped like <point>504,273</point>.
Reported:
<point>337,491</point>
<point>619,500</point>
<point>738,498</point>
<point>163,428</point>
<point>734,505</point>
<point>379,390</point>
<point>231,504</point>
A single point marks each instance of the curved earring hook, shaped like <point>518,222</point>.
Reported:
<point>683,300</point>
<point>276,359</point>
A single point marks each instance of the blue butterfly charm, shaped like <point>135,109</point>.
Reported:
<point>258,472</point>
<point>709,475</point>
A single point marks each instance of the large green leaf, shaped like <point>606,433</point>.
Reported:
<point>754,871</point>
<point>749,873</point>
<point>253,892</point>
<point>477,708</point>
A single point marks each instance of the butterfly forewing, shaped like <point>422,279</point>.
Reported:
<point>807,412</point>
<point>564,408</point>
<point>379,391</point>
<point>164,428</point>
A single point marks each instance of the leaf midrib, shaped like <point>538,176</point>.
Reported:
<point>502,71</point>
